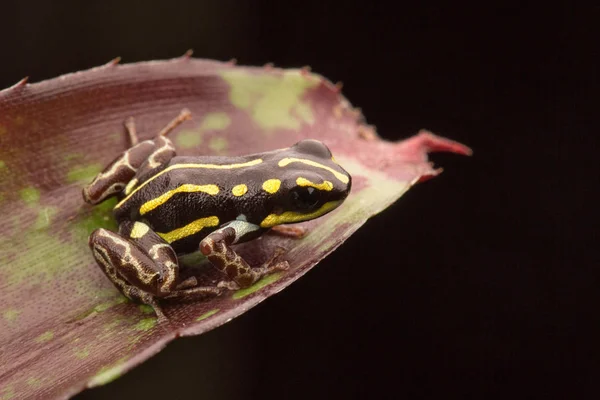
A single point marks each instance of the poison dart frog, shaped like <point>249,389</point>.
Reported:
<point>173,205</point>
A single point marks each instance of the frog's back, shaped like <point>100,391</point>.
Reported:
<point>191,193</point>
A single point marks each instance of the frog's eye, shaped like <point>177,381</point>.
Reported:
<point>305,198</point>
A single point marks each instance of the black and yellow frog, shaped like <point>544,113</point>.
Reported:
<point>173,205</point>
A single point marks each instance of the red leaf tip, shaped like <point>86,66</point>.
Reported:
<point>427,142</point>
<point>305,70</point>
<point>188,54</point>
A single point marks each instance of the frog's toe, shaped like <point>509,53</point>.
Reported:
<point>229,285</point>
<point>281,266</point>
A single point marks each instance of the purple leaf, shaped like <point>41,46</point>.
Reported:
<point>63,325</point>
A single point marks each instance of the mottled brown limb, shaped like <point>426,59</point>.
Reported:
<point>195,293</point>
<point>104,255</point>
<point>188,283</point>
<point>216,248</point>
<point>113,179</point>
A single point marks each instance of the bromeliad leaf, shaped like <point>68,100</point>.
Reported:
<point>57,309</point>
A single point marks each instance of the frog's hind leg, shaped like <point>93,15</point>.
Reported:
<point>135,164</point>
<point>139,263</point>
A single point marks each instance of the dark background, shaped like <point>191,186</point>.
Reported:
<point>486,280</point>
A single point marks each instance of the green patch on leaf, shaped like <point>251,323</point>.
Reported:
<point>11,314</point>
<point>44,218</point>
<point>35,382</point>
<point>2,164</point>
<point>81,353</point>
<point>30,195</point>
<point>7,393</point>
<point>84,173</point>
<point>218,144</point>
<point>207,314</point>
<point>45,337</point>
<point>108,374</point>
<point>28,267</point>
<point>267,280</point>
<point>193,259</point>
<point>72,156</point>
<point>145,325</point>
<point>108,304</point>
<point>273,101</point>
<point>146,309</point>
<point>100,216</point>
<point>188,139</point>
<point>216,121</point>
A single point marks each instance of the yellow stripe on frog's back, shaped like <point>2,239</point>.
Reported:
<point>187,188</point>
<point>288,160</point>
<point>190,229</point>
<point>190,166</point>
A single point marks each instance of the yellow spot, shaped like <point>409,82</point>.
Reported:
<point>139,230</point>
<point>215,121</point>
<point>191,166</point>
<point>239,190</point>
<point>326,185</point>
<point>130,186</point>
<point>286,161</point>
<point>290,217</point>
<point>190,229</point>
<point>187,188</point>
<point>271,185</point>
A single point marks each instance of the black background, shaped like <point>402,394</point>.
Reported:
<point>480,283</point>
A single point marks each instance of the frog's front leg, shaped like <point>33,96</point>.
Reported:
<point>216,247</point>
<point>142,265</point>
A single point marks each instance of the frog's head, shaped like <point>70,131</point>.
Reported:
<point>311,184</point>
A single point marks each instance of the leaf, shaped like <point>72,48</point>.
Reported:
<point>63,325</point>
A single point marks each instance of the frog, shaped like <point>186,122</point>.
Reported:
<point>170,206</point>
